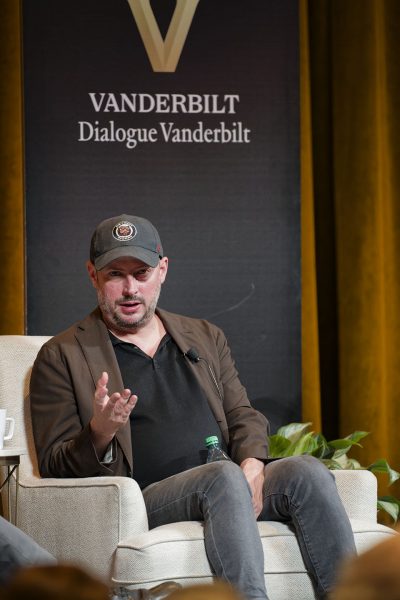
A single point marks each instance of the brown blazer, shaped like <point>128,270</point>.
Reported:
<point>63,381</point>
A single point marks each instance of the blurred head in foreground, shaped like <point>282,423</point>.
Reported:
<point>54,582</point>
<point>373,575</point>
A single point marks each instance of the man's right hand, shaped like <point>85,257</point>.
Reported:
<point>109,413</point>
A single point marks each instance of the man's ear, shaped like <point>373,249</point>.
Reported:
<point>163,268</point>
<point>92,273</point>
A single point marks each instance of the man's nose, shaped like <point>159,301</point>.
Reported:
<point>130,285</point>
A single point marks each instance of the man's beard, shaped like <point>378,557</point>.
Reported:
<point>119,323</point>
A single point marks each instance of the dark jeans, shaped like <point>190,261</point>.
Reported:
<point>18,550</point>
<point>298,490</point>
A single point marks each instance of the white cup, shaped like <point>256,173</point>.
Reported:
<point>3,426</point>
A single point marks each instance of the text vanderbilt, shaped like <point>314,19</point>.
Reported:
<point>166,132</point>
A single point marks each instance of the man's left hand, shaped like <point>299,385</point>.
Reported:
<point>253,470</point>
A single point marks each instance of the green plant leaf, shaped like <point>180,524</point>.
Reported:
<point>342,446</point>
<point>344,461</point>
<point>293,431</point>
<point>390,505</point>
<point>332,465</point>
<point>329,452</point>
<point>391,499</point>
<point>278,446</point>
<point>320,439</point>
<point>352,463</point>
<point>382,466</point>
<point>304,445</point>
<point>321,449</point>
<point>356,436</point>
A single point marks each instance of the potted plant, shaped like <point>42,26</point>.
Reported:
<point>298,438</point>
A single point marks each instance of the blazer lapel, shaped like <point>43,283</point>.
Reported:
<point>93,337</point>
<point>185,338</point>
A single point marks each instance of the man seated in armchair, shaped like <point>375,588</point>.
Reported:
<point>119,393</point>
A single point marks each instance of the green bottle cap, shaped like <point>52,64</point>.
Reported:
<point>212,439</point>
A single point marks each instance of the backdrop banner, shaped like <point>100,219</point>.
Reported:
<point>185,112</point>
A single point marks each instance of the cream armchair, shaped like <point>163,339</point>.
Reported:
<point>101,524</point>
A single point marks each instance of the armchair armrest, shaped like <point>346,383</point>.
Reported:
<point>358,492</point>
<point>81,519</point>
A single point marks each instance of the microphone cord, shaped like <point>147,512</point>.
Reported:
<point>194,357</point>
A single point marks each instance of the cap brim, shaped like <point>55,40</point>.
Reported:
<point>147,256</point>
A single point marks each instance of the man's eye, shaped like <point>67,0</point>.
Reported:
<point>115,274</point>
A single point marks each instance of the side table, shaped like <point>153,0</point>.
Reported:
<point>10,458</point>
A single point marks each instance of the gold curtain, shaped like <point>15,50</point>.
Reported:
<point>351,218</point>
<point>11,180</point>
<point>350,145</point>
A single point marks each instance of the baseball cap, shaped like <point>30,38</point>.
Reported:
<point>125,235</point>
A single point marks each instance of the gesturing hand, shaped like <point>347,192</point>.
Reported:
<point>109,412</point>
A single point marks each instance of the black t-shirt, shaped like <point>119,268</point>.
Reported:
<point>171,418</point>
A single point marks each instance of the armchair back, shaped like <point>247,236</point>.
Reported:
<point>17,355</point>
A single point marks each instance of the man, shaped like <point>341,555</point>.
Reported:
<point>124,392</point>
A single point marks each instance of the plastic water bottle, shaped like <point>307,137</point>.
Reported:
<point>215,451</point>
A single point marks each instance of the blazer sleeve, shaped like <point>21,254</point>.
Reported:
<point>248,428</point>
<point>62,438</point>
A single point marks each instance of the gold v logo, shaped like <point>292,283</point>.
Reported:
<point>163,54</point>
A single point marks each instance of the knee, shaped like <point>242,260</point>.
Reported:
<point>305,471</point>
<point>227,475</point>
<point>308,467</point>
<point>224,469</point>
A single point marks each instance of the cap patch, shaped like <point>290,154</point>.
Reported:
<point>124,231</point>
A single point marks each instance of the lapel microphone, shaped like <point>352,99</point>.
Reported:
<point>194,357</point>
